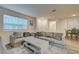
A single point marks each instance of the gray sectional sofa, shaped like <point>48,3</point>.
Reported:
<point>52,37</point>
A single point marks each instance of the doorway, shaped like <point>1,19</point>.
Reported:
<point>52,26</point>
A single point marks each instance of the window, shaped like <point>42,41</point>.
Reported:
<point>11,23</point>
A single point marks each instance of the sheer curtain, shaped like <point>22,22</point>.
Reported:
<point>3,49</point>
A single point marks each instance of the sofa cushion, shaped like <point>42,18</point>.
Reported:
<point>58,36</point>
<point>43,33</point>
<point>26,34</point>
<point>18,34</point>
<point>61,42</point>
<point>39,34</point>
<point>47,34</point>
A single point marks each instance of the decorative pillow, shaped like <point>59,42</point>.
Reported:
<point>25,34</point>
<point>39,34</point>
<point>17,34</point>
<point>47,34</point>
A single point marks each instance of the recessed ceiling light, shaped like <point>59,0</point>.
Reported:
<point>73,15</point>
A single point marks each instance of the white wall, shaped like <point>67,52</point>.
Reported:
<point>68,23</point>
<point>61,25</point>
<point>42,24</point>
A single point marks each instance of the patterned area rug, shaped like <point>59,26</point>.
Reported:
<point>18,50</point>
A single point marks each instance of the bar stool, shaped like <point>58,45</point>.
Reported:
<point>68,34</point>
<point>74,34</point>
<point>77,36</point>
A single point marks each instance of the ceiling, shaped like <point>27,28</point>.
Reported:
<point>45,10</point>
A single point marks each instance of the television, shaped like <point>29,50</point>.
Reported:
<point>14,23</point>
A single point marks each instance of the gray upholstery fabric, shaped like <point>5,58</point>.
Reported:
<point>18,50</point>
<point>43,33</point>
<point>48,34</point>
<point>18,34</point>
<point>52,40</point>
<point>57,36</point>
<point>26,34</point>
<point>14,36</point>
